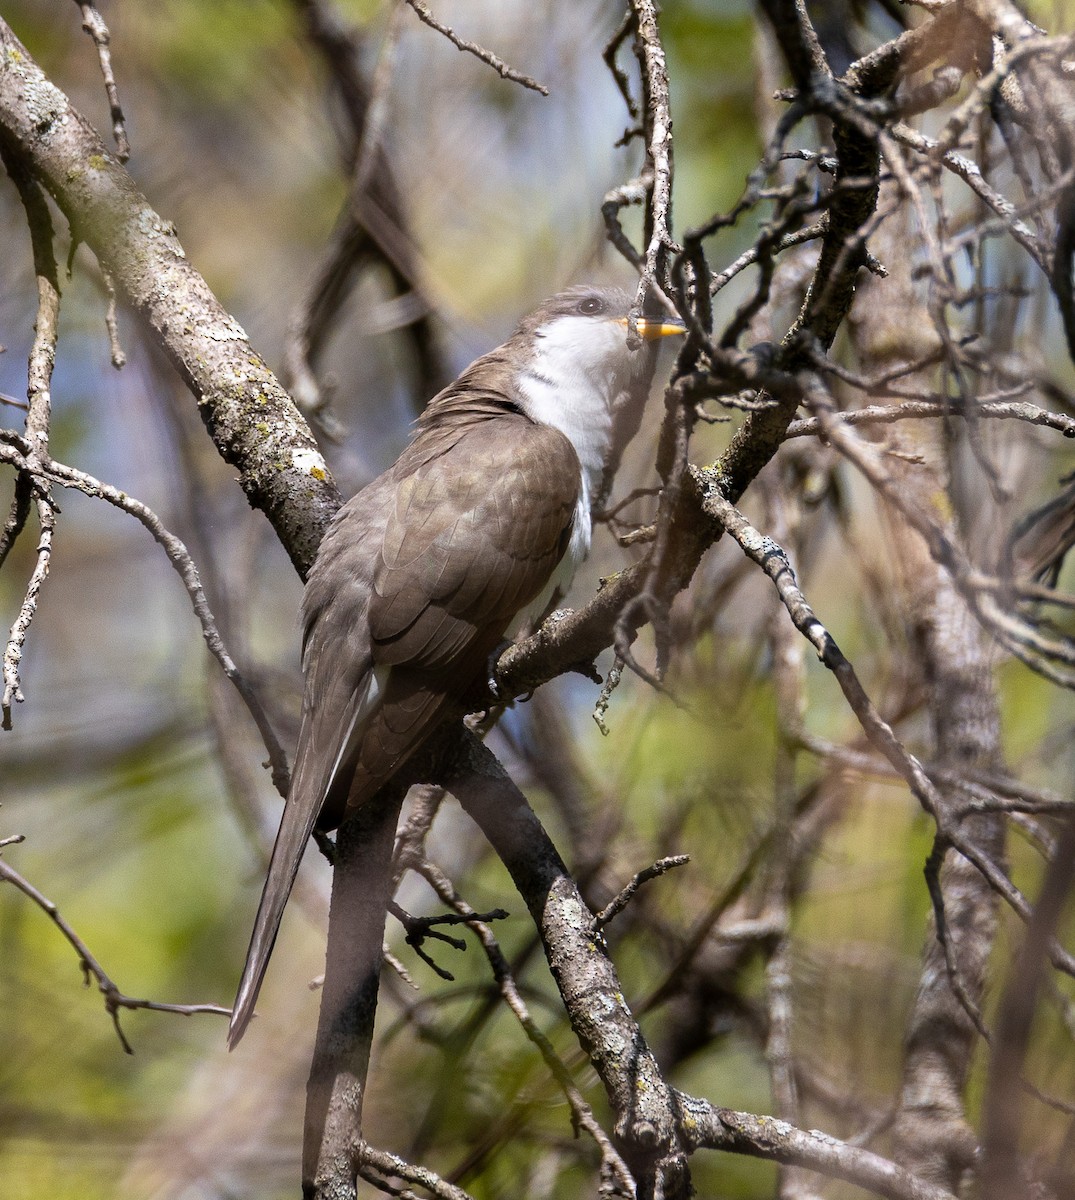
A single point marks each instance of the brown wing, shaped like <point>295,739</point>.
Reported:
<point>471,538</point>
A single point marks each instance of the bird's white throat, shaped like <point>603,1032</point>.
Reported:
<point>579,366</point>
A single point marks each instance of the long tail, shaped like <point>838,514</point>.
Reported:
<point>330,729</point>
<point>295,829</point>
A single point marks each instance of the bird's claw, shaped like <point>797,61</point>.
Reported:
<point>490,671</point>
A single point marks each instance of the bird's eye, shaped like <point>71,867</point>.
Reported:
<point>591,306</point>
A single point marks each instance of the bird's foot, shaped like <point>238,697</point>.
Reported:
<point>418,929</point>
<point>490,670</point>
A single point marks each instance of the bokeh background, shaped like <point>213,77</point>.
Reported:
<point>135,798</point>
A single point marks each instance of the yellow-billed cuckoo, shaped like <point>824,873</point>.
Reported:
<point>483,518</point>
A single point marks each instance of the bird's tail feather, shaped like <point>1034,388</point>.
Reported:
<point>295,829</point>
<point>321,742</point>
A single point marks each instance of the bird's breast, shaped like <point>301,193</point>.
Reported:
<point>578,546</point>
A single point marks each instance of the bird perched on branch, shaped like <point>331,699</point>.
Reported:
<point>483,518</point>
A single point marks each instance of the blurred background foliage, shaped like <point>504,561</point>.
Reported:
<point>112,772</point>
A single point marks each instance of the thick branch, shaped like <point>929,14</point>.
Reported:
<point>361,889</point>
<point>764,1137</point>
<point>641,1100</point>
<point>251,419</point>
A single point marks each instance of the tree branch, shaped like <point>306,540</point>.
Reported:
<point>486,56</point>
<point>252,421</point>
<point>705,1125</point>
<point>114,999</point>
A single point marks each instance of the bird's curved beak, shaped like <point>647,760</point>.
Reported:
<point>652,328</point>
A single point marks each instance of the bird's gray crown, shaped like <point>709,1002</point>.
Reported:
<point>582,300</point>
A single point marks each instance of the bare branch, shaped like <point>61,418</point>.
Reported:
<point>763,1137</point>
<point>371,229</point>
<point>582,1114</point>
<point>181,560</point>
<point>377,1165</point>
<point>773,561</point>
<point>255,425</point>
<point>657,120</point>
<point>93,23</point>
<point>114,999</point>
<point>486,56</point>
<point>639,1096</point>
<point>38,419</point>
<point>620,901</point>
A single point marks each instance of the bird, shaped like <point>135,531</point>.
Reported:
<point>482,519</point>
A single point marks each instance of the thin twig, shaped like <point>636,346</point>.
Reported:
<point>627,26</point>
<point>657,118</point>
<point>93,24</point>
<point>917,410</point>
<point>619,902</point>
<point>375,1165</point>
<point>40,364</point>
<point>114,999</point>
<point>180,558</point>
<point>486,56</point>
<point>773,561</point>
<point>119,359</point>
<point>612,682</point>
